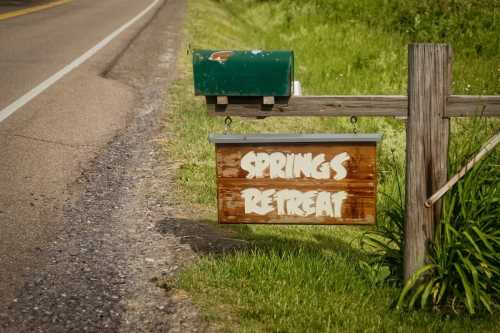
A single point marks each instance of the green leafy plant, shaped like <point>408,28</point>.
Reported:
<point>463,270</point>
<point>385,243</point>
<point>464,262</point>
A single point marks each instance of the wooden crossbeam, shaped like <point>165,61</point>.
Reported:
<point>345,106</point>
<point>328,106</point>
<point>467,106</point>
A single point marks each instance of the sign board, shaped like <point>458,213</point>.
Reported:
<point>296,179</point>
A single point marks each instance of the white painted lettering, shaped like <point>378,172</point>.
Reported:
<point>261,164</point>
<point>336,165</point>
<point>324,204</point>
<point>320,170</point>
<point>308,204</point>
<point>248,164</point>
<point>302,165</point>
<point>290,165</point>
<point>293,202</point>
<point>277,162</point>
<point>280,197</point>
<point>337,200</point>
<point>267,200</point>
<point>252,197</point>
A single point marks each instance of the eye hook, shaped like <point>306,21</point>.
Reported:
<point>227,124</point>
<point>354,121</point>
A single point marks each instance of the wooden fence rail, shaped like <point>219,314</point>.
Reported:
<point>468,106</point>
<point>346,106</point>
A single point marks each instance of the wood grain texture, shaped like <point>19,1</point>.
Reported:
<point>393,106</point>
<point>222,100</point>
<point>485,150</point>
<point>426,146</point>
<point>344,106</point>
<point>360,183</point>
<point>469,106</point>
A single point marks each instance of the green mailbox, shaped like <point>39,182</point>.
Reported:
<point>243,73</point>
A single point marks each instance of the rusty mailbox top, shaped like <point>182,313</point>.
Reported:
<point>243,73</point>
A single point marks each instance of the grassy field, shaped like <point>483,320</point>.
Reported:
<point>312,279</point>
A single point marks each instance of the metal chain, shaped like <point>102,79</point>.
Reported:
<point>227,124</point>
<point>354,122</point>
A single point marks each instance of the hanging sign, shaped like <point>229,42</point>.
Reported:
<point>296,179</point>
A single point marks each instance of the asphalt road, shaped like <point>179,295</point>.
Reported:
<point>45,145</point>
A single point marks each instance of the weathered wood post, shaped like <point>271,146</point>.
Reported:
<point>427,133</point>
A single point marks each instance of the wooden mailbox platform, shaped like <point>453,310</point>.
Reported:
<point>296,179</point>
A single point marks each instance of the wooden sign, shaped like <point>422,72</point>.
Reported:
<point>296,179</point>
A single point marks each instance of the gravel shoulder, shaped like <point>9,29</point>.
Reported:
<point>103,268</point>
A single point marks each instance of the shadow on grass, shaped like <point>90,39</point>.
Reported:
<point>207,238</point>
<point>203,236</point>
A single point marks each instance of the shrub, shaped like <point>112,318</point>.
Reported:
<point>464,261</point>
<point>385,243</point>
<point>463,270</point>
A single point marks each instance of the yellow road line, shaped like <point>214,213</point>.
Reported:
<point>32,9</point>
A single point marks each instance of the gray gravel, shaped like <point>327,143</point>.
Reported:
<point>102,267</point>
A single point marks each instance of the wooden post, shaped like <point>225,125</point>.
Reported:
<point>427,133</point>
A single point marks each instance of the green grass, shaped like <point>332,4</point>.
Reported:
<point>311,279</point>
<point>292,285</point>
